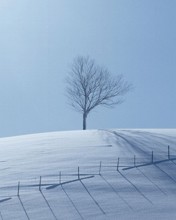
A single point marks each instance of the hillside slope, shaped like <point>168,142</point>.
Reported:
<point>95,174</point>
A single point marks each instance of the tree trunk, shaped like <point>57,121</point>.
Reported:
<point>84,121</point>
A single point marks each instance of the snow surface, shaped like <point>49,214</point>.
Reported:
<point>136,189</point>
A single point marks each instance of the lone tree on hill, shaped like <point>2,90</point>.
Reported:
<point>89,86</point>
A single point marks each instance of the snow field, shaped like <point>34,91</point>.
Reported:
<point>141,192</point>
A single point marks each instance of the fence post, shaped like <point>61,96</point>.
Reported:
<point>152,156</point>
<point>40,183</point>
<point>168,152</point>
<point>100,168</point>
<point>60,180</point>
<point>78,174</point>
<point>18,192</point>
<point>1,215</point>
<point>118,164</point>
<point>134,160</point>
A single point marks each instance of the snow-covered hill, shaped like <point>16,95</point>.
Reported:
<point>95,174</point>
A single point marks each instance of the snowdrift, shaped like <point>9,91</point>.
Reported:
<point>94,174</point>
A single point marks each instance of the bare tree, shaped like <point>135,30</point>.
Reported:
<point>89,86</point>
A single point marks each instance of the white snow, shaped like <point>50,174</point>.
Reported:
<point>141,192</point>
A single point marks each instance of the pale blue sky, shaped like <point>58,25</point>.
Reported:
<point>40,38</point>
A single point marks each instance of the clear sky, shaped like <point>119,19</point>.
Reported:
<point>40,38</point>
